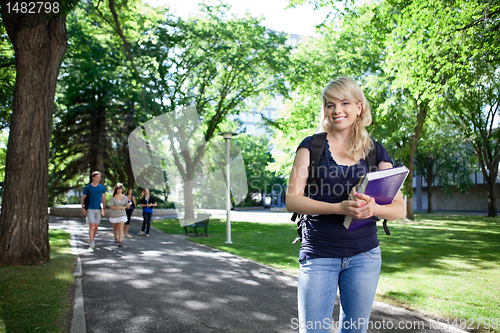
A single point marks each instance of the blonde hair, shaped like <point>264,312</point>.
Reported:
<point>358,143</point>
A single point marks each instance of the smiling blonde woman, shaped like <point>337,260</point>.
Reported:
<point>330,256</point>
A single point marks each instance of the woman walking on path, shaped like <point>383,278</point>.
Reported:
<point>118,203</point>
<point>330,256</point>
<point>131,200</point>
<point>147,203</point>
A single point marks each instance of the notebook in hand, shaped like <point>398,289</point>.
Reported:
<point>382,185</point>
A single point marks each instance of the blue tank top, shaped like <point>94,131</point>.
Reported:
<point>324,236</point>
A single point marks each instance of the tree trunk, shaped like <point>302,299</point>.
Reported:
<point>188,171</point>
<point>422,115</point>
<point>489,169</point>
<point>490,183</point>
<point>409,189</point>
<point>188,200</point>
<point>129,125</point>
<point>98,141</point>
<point>492,202</point>
<point>39,46</point>
<point>430,209</point>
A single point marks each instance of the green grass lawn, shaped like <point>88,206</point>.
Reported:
<point>37,298</point>
<point>446,265</point>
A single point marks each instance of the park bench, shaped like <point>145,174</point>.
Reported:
<point>200,222</point>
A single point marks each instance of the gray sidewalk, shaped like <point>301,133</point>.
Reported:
<point>165,283</point>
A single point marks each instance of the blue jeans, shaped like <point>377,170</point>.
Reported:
<point>129,215</point>
<point>357,279</point>
<point>146,222</point>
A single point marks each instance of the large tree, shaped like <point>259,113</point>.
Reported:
<point>39,42</point>
<point>475,109</point>
<point>474,100</point>
<point>443,155</point>
<point>433,47</point>
<point>94,96</point>
<point>215,63</point>
<point>99,99</point>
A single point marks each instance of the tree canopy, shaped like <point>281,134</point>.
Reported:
<point>7,77</point>
<point>98,100</point>
<point>408,56</point>
<point>213,62</point>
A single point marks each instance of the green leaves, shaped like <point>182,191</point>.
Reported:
<point>7,77</point>
<point>256,152</point>
<point>98,97</point>
<point>410,57</point>
<point>443,154</point>
<point>214,62</point>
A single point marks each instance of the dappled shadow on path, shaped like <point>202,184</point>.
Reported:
<point>167,284</point>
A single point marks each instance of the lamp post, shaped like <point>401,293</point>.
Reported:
<point>227,136</point>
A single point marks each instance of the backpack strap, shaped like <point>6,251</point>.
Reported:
<point>317,149</point>
<point>371,159</point>
<point>386,228</point>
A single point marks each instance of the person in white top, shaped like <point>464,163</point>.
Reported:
<point>118,204</point>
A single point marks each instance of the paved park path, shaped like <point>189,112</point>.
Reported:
<point>165,283</point>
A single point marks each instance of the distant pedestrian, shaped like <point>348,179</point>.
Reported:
<point>131,200</point>
<point>118,203</point>
<point>147,203</point>
<point>95,192</point>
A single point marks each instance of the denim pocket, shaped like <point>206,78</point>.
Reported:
<point>374,253</point>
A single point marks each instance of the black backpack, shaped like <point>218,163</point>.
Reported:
<point>318,147</point>
<point>86,202</point>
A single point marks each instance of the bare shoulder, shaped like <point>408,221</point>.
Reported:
<point>384,165</point>
<point>302,158</point>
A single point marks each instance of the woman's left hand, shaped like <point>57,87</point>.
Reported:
<point>367,202</point>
